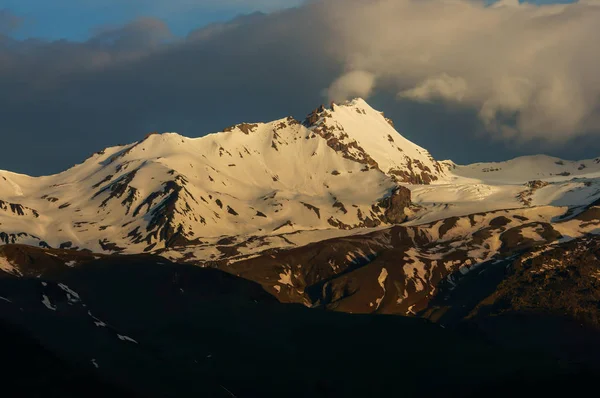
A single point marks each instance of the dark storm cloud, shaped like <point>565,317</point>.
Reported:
<point>63,100</point>
<point>440,81</point>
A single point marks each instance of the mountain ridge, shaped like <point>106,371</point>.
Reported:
<point>272,185</point>
<point>183,187</point>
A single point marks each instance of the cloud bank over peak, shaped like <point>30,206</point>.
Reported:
<point>528,70</point>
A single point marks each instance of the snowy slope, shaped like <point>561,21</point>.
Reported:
<point>522,182</point>
<point>527,168</point>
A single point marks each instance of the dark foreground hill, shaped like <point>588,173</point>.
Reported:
<point>142,326</point>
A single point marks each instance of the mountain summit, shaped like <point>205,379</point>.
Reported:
<point>365,135</point>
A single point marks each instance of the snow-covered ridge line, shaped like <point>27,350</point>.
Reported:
<point>167,190</point>
<point>256,184</point>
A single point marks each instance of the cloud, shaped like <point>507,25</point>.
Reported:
<point>527,69</point>
<point>437,87</point>
<point>445,70</point>
<point>352,84</point>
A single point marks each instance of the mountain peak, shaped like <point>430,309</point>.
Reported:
<point>357,102</point>
<point>365,135</point>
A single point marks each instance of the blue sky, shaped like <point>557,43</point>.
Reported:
<point>75,19</point>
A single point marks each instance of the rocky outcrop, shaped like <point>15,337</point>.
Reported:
<point>536,184</point>
<point>395,205</point>
<point>313,117</point>
<point>245,128</point>
<point>18,209</point>
<point>525,197</point>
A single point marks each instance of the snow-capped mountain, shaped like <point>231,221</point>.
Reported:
<point>281,184</point>
<point>251,179</point>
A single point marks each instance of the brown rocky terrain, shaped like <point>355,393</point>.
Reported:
<point>561,281</point>
<point>397,270</point>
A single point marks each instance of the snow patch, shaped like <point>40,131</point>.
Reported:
<point>72,296</point>
<point>47,303</point>
<point>285,278</point>
<point>381,280</point>
<point>97,321</point>
<point>126,338</point>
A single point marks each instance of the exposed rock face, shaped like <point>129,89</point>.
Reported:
<point>526,196</point>
<point>389,210</point>
<point>245,128</point>
<point>9,238</point>
<point>564,280</point>
<point>339,142</point>
<point>162,208</point>
<point>536,184</point>
<point>313,117</point>
<point>395,205</point>
<point>18,209</point>
<point>398,270</point>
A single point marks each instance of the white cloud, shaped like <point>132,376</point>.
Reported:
<point>352,84</point>
<point>442,87</point>
<point>529,70</point>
